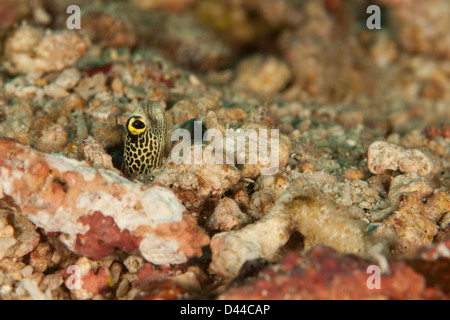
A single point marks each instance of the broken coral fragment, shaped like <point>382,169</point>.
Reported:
<point>384,156</point>
<point>194,183</point>
<point>262,75</point>
<point>227,216</point>
<point>421,27</point>
<point>7,239</point>
<point>407,183</point>
<point>322,273</point>
<point>93,152</point>
<point>30,49</point>
<point>322,221</point>
<point>91,283</point>
<point>97,210</point>
<point>319,220</point>
<point>262,239</point>
<point>410,225</point>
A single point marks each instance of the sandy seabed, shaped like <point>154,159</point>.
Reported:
<point>358,208</point>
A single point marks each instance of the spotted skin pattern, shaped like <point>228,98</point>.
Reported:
<point>146,139</point>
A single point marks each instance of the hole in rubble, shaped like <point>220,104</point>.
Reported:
<point>62,183</point>
<point>294,244</point>
<point>116,152</point>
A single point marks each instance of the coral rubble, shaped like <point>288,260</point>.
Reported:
<point>304,149</point>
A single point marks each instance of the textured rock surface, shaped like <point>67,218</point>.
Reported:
<point>93,152</point>
<point>323,274</point>
<point>384,156</point>
<point>420,26</point>
<point>91,282</point>
<point>407,183</point>
<point>258,240</point>
<point>319,221</point>
<point>194,183</point>
<point>363,166</point>
<point>84,204</point>
<point>227,216</point>
<point>414,223</point>
<point>323,222</point>
<point>262,75</point>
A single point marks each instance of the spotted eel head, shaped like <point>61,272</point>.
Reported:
<point>146,139</point>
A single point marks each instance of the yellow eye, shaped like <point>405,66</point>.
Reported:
<point>136,125</point>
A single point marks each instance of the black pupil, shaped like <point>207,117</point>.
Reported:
<point>138,124</point>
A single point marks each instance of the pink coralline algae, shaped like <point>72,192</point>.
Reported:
<point>324,274</point>
<point>95,210</point>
